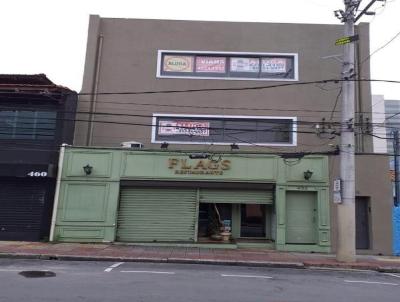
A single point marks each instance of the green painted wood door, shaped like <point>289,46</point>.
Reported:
<point>301,211</point>
<point>157,215</point>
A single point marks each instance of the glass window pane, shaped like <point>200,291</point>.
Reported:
<point>7,124</point>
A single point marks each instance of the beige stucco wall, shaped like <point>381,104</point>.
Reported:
<point>373,181</point>
<point>128,63</point>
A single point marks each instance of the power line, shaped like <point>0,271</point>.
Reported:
<point>382,47</point>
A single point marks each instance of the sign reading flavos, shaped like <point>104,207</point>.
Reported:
<point>198,167</point>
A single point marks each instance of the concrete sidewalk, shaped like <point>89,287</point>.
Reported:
<point>139,253</point>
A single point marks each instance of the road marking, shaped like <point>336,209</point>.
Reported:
<point>149,272</point>
<point>111,267</point>
<point>393,275</point>
<point>246,276</point>
<point>370,282</point>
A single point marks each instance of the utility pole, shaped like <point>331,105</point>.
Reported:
<point>346,232</point>
<point>346,241</point>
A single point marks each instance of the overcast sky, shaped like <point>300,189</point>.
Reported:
<point>49,36</point>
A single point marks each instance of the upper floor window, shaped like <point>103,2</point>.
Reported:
<point>224,130</point>
<point>27,125</point>
<point>227,65</point>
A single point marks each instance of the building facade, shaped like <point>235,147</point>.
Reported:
<point>36,117</point>
<point>247,120</point>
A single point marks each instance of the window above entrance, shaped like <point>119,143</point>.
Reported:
<point>224,130</point>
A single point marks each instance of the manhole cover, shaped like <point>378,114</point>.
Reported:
<point>37,274</point>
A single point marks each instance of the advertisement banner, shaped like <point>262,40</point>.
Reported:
<point>191,128</point>
<point>245,65</point>
<point>178,63</point>
<point>273,65</point>
<point>211,64</point>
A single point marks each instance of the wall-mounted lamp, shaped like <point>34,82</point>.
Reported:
<point>164,146</point>
<point>308,174</point>
<point>234,147</point>
<point>88,169</point>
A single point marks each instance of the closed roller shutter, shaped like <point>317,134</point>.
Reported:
<point>22,204</point>
<point>236,196</point>
<point>156,214</point>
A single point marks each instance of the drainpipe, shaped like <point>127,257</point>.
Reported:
<point>57,193</point>
<point>93,102</point>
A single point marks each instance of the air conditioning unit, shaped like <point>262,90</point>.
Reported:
<point>132,145</point>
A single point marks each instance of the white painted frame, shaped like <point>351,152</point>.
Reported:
<point>293,118</point>
<point>228,53</point>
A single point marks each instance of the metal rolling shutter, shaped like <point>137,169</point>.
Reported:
<point>236,196</point>
<point>21,209</point>
<point>156,214</point>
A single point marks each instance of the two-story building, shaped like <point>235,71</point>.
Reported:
<point>208,132</point>
<point>36,117</point>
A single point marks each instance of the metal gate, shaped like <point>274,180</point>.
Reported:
<point>157,214</point>
<point>24,209</point>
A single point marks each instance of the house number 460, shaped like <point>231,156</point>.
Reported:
<point>37,174</point>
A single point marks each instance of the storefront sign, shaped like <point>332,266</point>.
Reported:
<point>178,64</point>
<point>202,166</point>
<point>210,64</point>
<point>245,65</point>
<point>191,128</point>
<point>273,65</point>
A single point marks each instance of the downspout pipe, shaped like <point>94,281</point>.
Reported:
<point>93,103</point>
<point>57,192</point>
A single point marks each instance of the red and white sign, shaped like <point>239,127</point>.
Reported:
<point>211,64</point>
<point>191,128</point>
<point>273,65</point>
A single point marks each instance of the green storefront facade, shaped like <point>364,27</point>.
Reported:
<point>165,197</point>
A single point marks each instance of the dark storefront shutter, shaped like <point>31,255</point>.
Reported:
<point>22,204</point>
<point>236,196</point>
<point>157,214</point>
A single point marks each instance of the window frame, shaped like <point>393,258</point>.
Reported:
<point>227,55</point>
<point>154,127</point>
<point>36,134</point>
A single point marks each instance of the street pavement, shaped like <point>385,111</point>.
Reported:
<point>170,282</point>
<point>193,255</point>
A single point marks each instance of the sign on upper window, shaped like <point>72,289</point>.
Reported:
<point>224,130</point>
<point>227,65</point>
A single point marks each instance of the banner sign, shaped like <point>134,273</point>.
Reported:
<point>191,128</point>
<point>178,63</point>
<point>273,65</point>
<point>245,65</point>
<point>211,64</point>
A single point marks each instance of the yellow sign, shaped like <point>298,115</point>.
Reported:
<point>346,40</point>
<point>198,167</point>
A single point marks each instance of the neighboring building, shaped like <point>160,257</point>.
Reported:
<point>36,117</point>
<point>378,119</point>
<point>148,194</point>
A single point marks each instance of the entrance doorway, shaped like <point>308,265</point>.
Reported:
<point>362,222</point>
<point>252,220</point>
<point>301,211</point>
<point>213,217</point>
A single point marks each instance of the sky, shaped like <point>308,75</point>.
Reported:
<point>49,36</point>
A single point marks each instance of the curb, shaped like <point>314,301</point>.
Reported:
<point>271,264</point>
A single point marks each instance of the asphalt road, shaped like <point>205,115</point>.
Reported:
<point>105,281</point>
